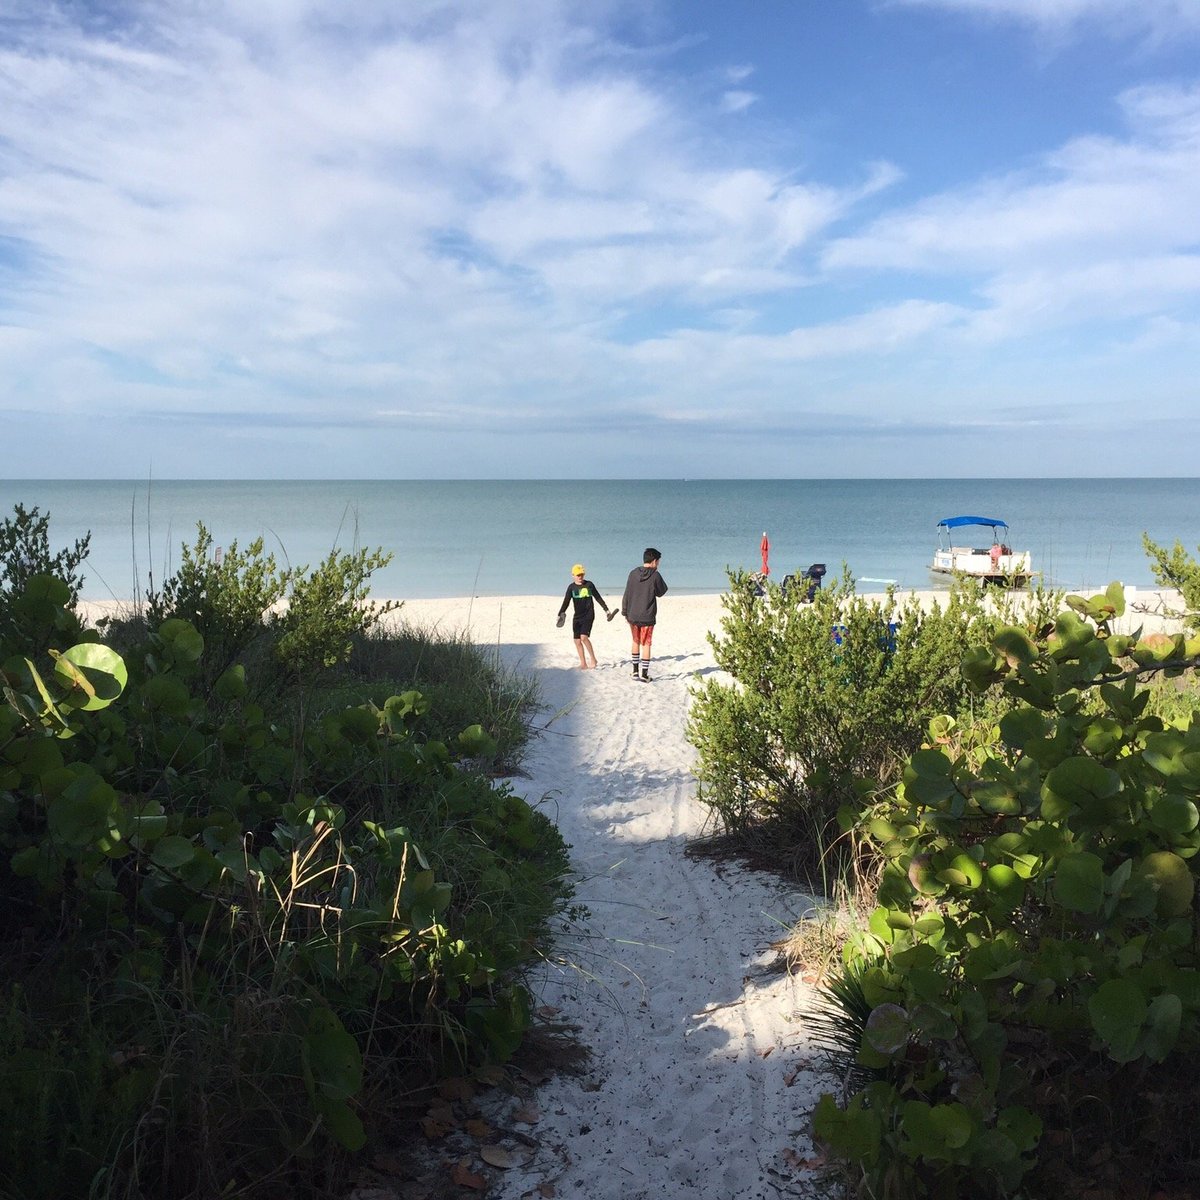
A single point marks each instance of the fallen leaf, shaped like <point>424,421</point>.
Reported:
<point>546,1190</point>
<point>456,1089</point>
<point>490,1075</point>
<point>500,1156</point>
<point>465,1177</point>
<point>791,1076</point>
<point>435,1129</point>
<point>767,1052</point>
<point>546,1010</point>
<point>526,1114</point>
<point>795,1159</point>
<point>479,1129</point>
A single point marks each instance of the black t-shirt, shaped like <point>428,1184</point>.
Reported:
<point>582,595</point>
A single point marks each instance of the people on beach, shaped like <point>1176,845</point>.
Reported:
<point>585,595</point>
<point>639,606</point>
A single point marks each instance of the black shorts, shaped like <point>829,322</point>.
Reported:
<point>582,626</point>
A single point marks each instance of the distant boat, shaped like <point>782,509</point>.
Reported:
<point>996,562</point>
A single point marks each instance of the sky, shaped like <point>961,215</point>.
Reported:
<point>604,239</point>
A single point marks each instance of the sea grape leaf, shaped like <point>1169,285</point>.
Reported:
<point>1079,882</point>
<point>1118,1010</point>
<point>102,669</point>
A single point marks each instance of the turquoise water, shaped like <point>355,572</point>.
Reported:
<point>458,538</point>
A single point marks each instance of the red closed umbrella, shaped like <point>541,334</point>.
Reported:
<point>765,547</point>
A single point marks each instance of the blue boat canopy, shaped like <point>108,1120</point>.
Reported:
<point>955,522</point>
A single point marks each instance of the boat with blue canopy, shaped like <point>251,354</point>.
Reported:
<point>995,562</point>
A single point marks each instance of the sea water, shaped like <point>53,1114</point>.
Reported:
<point>485,537</point>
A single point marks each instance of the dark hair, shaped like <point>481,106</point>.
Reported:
<point>650,555</point>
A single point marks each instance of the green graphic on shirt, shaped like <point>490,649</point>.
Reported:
<point>580,593</point>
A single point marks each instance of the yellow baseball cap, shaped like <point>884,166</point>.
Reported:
<point>577,569</point>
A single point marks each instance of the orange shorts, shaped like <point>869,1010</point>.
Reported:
<point>642,634</point>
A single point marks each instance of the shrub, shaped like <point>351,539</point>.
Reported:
<point>25,556</point>
<point>264,925</point>
<point>1176,569</point>
<point>1033,966</point>
<point>822,695</point>
<point>327,609</point>
<point>242,600</point>
<point>227,600</point>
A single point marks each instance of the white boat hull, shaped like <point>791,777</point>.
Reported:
<point>979,564</point>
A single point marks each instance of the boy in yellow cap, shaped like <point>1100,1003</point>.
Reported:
<point>585,596</point>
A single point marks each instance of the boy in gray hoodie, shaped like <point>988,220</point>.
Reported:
<point>639,606</point>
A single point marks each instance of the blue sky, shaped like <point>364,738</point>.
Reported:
<point>542,239</point>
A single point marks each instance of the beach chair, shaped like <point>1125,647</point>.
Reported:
<point>809,581</point>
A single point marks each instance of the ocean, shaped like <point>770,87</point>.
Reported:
<point>485,537</point>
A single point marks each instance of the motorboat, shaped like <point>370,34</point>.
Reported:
<point>995,562</point>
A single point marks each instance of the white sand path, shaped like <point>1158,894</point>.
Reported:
<point>701,1081</point>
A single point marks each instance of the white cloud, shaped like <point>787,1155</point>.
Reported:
<point>737,101</point>
<point>443,216</point>
<point>1156,18</point>
<point>1101,227</point>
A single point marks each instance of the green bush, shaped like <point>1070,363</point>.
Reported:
<point>821,695</point>
<point>25,557</point>
<point>1033,966</point>
<point>1176,569</point>
<point>227,599</point>
<point>266,925</point>
<point>242,599</point>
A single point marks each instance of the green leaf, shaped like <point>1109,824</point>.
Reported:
<point>887,1029</point>
<point>927,778</point>
<point>1078,783</point>
<point>1172,882</point>
<point>1174,814</point>
<point>83,812</point>
<point>1006,885</point>
<point>1163,1023</point>
<point>1079,882</point>
<point>475,742</point>
<point>173,852</point>
<point>1175,756</point>
<point>166,694</point>
<point>1118,1010</point>
<point>936,1131</point>
<point>102,669</point>
<point>996,798</point>
<point>332,1056</point>
<point>853,1133</point>
<point>231,685</point>
<point>182,640</point>
<point>1023,1126</point>
<point>1016,646</point>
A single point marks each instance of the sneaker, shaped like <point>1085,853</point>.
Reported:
<point>636,673</point>
<point>645,677</point>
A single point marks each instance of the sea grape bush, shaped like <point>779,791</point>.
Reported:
<point>1035,944</point>
<point>333,903</point>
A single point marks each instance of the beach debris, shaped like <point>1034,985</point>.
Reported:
<point>463,1175</point>
<point>504,1158</point>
